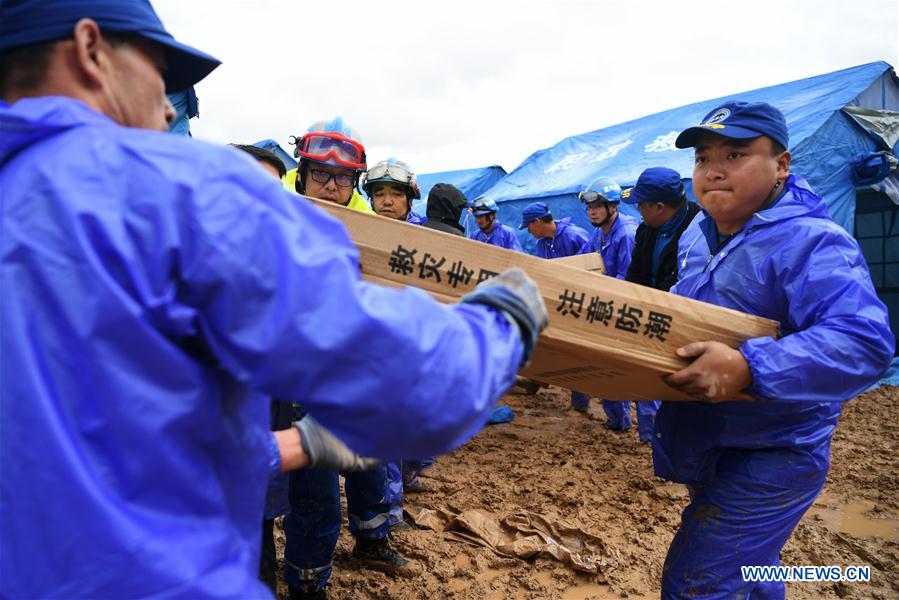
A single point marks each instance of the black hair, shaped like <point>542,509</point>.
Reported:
<point>24,68</point>
<point>263,155</point>
<point>776,147</point>
<point>547,219</point>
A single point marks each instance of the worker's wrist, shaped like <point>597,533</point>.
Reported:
<point>291,448</point>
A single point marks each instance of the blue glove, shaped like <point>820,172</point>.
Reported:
<point>516,295</point>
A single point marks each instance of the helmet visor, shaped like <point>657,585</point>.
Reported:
<point>333,148</point>
<point>393,171</point>
<point>589,197</point>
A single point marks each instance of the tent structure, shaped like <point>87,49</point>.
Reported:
<point>828,134</point>
<point>824,141</point>
<point>472,182</point>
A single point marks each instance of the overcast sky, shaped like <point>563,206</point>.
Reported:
<point>453,85</point>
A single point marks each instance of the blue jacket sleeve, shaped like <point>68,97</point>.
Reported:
<point>590,245</point>
<point>514,243</point>
<point>841,343</point>
<point>278,298</point>
<point>624,253</point>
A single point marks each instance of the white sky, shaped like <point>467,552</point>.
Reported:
<point>453,85</point>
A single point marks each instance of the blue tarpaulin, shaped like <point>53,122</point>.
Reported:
<point>823,139</point>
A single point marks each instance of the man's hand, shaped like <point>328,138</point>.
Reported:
<point>718,373</point>
<point>325,451</point>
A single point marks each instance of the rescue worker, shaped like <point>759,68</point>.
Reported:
<point>765,245</point>
<point>613,238</point>
<point>613,233</point>
<point>445,205</point>
<point>392,187</point>
<point>491,231</point>
<point>156,292</point>
<point>555,239</point>
<point>662,201</point>
<point>331,161</point>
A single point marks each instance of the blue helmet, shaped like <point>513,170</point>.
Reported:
<point>483,205</point>
<point>601,189</point>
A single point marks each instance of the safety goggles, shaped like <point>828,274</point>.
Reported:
<point>332,147</point>
<point>394,171</point>
<point>589,197</point>
<point>323,177</point>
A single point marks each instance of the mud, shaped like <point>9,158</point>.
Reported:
<point>565,465</point>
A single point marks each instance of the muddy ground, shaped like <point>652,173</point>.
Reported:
<point>563,464</point>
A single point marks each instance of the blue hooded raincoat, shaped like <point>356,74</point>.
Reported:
<point>502,236</point>
<point>615,247</point>
<point>150,284</point>
<point>567,241</point>
<point>757,466</point>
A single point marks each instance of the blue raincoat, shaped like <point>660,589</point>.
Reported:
<point>567,241</point>
<point>415,218</point>
<point>152,282</point>
<point>502,236</point>
<point>757,466</point>
<point>615,247</point>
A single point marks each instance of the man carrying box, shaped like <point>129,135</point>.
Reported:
<point>555,239</point>
<point>613,238</point>
<point>491,231</point>
<point>766,246</point>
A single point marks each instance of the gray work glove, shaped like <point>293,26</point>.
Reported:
<point>516,295</point>
<point>325,451</point>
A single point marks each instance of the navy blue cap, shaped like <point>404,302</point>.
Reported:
<point>532,212</point>
<point>656,184</point>
<point>27,22</point>
<point>741,121</point>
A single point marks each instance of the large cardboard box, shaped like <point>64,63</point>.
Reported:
<point>607,337</point>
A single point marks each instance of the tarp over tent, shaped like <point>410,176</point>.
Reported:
<point>823,139</point>
<point>472,182</point>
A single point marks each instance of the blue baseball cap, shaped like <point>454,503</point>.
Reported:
<point>532,212</point>
<point>656,184</point>
<point>741,121</point>
<point>27,22</point>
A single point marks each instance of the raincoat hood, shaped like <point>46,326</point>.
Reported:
<point>446,201</point>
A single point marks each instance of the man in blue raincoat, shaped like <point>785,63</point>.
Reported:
<point>613,238</point>
<point>151,286</point>
<point>555,239</point>
<point>392,187</point>
<point>491,231</point>
<point>764,245</point>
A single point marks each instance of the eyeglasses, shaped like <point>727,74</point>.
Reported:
<point>341,179</point>
<point>329,146</point>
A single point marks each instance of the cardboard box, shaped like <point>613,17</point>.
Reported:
<point>588,262</point>
<point>606,337</point>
